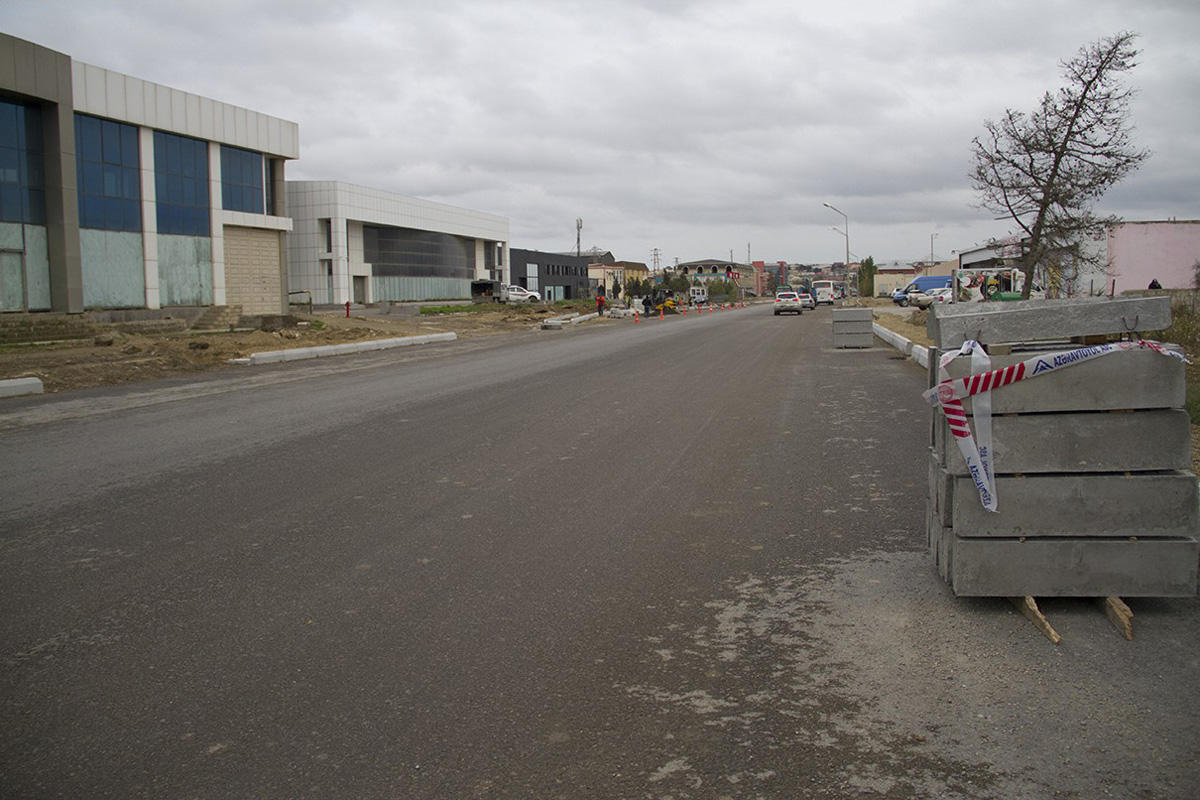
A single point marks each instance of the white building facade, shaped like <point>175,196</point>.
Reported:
<point>130,194</point>
<point>353,244</point>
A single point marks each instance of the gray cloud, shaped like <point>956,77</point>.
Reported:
<point>693,127</point>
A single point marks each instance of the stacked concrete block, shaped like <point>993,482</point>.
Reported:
<point>1095,496</point>
<point>1029,320</point>
<point>852,327</point>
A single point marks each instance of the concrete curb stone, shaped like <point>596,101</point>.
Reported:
<point>916,352</point>
<point>19,387</point>
<point>324,351</point>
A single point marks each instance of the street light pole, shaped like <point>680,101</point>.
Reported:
<point>931,237</point>
<point>846,225</point>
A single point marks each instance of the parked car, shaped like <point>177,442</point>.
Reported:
<point>519,294</point>
<point>806,299</point>
<point>921,285</point>
<point>943,295</point>
<point>788,302</point>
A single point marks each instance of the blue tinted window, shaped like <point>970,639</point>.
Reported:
<point>129,145</point>
<point>181,184</point>
<point>22,191</point>
<point>87,138</point>
<point>107,166</point>
<point>110,136</point>
<point>8,122</point>
<point>241,180</point>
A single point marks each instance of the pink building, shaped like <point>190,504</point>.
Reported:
<point>1139,252</point>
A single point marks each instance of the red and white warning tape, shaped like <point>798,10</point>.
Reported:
<point>949,395</point>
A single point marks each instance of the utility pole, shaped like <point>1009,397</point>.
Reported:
<point>578,230</point>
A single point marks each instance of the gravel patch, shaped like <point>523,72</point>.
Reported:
<point>871,675</point>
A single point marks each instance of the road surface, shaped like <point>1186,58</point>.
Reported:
<point>675,559</point>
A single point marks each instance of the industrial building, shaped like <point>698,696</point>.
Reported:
<point>120,193</point>
<point>360,245</point>
<point>553,275</point>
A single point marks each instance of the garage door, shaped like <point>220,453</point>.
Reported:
<point>253,277</point>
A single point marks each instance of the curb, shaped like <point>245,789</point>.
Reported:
<point>19,387</point>
<point>324,351</point>
<point>557,323</point>
<point>916,352</point>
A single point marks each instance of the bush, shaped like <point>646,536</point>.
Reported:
<point>473,308</point>
<point>1185,331</point>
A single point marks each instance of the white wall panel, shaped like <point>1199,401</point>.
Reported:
<point>114,94</point>
<point>121,97</point>
<point>134,98</point>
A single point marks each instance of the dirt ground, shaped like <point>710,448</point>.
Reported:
<point>909,324</point>
<point>131,357</point>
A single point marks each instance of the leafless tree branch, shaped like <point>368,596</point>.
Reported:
<point>1045,169</point>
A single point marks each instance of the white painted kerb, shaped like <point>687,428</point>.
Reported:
<point>16,387</point>
<point>917,352</point>
<point>300,353</point>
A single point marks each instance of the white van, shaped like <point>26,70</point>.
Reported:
<point>823,292</point>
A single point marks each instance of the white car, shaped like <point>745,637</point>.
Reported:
<point>788,302</point>
<point>807,300</point>
<point>944,295</point>
<point>519,294</point>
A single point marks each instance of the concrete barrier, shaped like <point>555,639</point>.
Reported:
<point>1119,381</point>
<point>1154,439</point>
<point>950,324</point>
<point>1093,494</point>
<point>1079,568</point>
<point>852,327</point>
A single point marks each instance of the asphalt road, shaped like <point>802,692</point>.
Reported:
<point>677,559</point>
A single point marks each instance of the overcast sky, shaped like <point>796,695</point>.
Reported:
<point>696,128</point>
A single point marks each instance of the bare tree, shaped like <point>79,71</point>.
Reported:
<point>1045,169</point>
